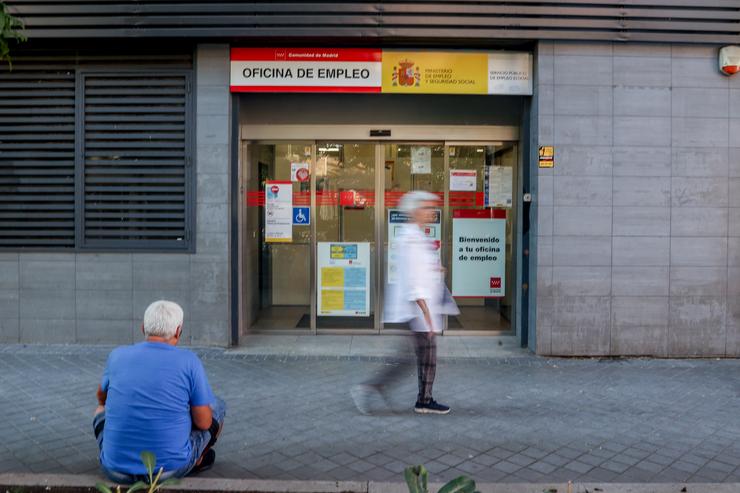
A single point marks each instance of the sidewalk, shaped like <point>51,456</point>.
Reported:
<point>516,418</point>
<point>448,346</point>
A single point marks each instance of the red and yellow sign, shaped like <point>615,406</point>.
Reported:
<point>375,70</point>
<point>435,72</point>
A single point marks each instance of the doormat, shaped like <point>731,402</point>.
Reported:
<point>341,323</point>
<point>336,322</point>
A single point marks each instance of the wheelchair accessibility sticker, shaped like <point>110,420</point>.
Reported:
<point>301,216</point>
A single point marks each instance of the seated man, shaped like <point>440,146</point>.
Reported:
<point>155,397</point>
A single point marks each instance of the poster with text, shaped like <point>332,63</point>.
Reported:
<point>396,221</point>
<point>463,180</point>
<point>421,160</point>
<point>500,181</point>
<point>479,253</point>
<point>278,211</point>
<point>343,279</point>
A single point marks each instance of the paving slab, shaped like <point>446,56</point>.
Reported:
<point>374,346</point>
<point>85,483</point>
<point>515,420</point>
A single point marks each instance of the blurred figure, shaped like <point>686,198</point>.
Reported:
<point>420,299</point>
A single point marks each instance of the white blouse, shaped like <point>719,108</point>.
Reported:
<point>420,277</point>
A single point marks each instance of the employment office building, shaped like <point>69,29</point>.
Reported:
<point>246,160</point>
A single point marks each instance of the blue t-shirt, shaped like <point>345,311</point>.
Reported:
<point>151,386</point>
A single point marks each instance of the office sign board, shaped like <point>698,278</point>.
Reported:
<point>372,70</point>
<point>479,253</point>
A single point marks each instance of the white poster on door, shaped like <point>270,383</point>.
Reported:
<point>343,281</point>
<point>278,211</point>
<point>421,160</point>
<point>479,253</point>
<point>500,181</point>
<point>396,221</point>
<point>463,180</point>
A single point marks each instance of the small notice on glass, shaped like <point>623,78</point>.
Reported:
<point>299,172</point>
<point>500,186</point>
<point>463,180</point>
<point>421,160</point>
<point>278,212</point>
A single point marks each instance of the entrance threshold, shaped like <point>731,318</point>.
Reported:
<point>374,346</point>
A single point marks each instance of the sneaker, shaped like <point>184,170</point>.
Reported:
<point>205,464</point>
<point>433,407</point>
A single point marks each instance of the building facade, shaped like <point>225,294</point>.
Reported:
<point>142,156</point>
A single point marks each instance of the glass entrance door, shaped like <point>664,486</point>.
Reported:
<point>480,236</point>
<point>276,250</point>
<point>345,247</point>
<point>407,167</point>
<point>321,220</point>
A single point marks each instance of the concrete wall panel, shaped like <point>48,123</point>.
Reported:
<point>642,221</point>
<point>666,162</point>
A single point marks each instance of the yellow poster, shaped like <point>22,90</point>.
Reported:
<point>332,277</point>
<point>332,300</point>
<point>435,72</point>
<point>547,157</point>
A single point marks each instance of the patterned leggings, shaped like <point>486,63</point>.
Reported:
<point>426,364</point>
<point>425,348</point>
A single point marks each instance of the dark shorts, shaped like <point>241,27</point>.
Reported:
<point>199,441</point>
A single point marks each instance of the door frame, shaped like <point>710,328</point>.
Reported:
<point>400,134</point>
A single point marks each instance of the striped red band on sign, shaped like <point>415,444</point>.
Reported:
<point>360,198</point>
<point>307,54</point>
<point>467,199</point>
<point>303,89</point>
<point>479,214</point>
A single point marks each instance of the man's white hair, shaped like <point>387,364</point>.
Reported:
<point>162,318</point>
<point>414,200</point>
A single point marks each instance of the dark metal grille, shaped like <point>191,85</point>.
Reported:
<point>37,156</point>
<point>693,21</point>
<point>135,159</point>
<point>94,149</point>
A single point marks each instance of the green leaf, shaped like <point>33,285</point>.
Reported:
<point>150,462</point>
<point>103,488</point>
<point>139,485</point>
<point>170,482</point>
<point>459,485</point>
<point>424,478</point>
<point>416,479</point>
<point>412,480</point>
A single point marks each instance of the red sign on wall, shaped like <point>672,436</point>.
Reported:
<point>305,70</point>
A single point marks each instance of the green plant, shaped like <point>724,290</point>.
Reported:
<point>150,486</point>
<point>11,28</point>
<point>417,479</point>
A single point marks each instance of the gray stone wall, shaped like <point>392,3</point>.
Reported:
<point>639,221</point>
<point>100,298</point>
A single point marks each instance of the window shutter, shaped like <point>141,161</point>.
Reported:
<point>136,160</point>
<point>37,156</point>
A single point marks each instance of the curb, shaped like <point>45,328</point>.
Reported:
<point>31,483</point>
